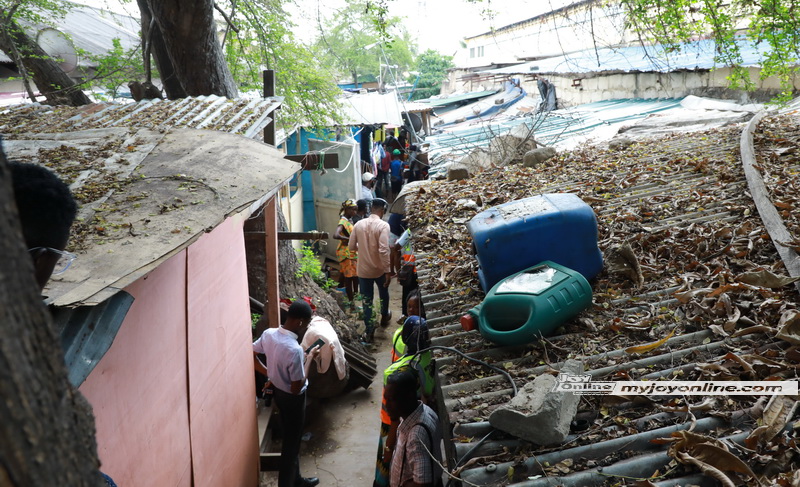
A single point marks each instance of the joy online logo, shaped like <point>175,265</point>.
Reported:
<point>583,384</point>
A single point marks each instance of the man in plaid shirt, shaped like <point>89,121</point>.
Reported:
<point>418,436</point>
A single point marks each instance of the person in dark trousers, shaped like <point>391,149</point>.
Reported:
<point>371,238</point>
<point>287,368</point>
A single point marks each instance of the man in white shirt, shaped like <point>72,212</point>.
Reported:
<point>371,238</point>
<point>287,373</point>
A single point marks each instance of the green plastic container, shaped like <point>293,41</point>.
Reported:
<point>529,304</point>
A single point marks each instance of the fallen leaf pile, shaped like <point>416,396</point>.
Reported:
<point>692,289</point>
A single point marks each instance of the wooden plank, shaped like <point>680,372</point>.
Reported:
<point>302,235</point>
<point>269,91</point>
<point>270,462</point>
<point>272,299</point>
<point>310,161</point>
<point>766,209</point>
<point>292,235</point>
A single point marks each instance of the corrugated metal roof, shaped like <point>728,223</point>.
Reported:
<point>242,116</point>
<point>87,333</point>
<point>142,177</point>
<point>652,182</point>
<point>550,128</point>
<point>475,95</point>
<point>696,55</point>
<point>92,30</point>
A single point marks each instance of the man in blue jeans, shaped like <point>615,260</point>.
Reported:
<point>370,237</point>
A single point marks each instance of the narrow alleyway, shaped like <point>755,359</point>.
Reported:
<point>344,430</point>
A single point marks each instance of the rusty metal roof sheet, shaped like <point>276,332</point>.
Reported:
<point>243,116</point>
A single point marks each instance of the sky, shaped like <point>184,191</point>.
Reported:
<point>440,24</point>
<point>437,24</point>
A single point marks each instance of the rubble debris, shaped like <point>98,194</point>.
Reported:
<point>537,156</point>
<point>537,413</point>
<point>457,172</point>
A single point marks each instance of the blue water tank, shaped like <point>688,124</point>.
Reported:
<point>516,235</point>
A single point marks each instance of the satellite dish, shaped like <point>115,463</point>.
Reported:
<point>56,44</point>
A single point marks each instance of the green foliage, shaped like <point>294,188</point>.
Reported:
<point>308,264</point>
<point>769,24</point>
<point>360,37</point>
<point>432,67</point>
<point>37,11</point>
<point>265,41</point>
<point>117,67</point>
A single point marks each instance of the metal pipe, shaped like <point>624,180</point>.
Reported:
<point>636,442</point>
<point>640,466</point>
<point>465,401</point>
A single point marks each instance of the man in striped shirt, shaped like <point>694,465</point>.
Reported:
<point>415,461</point>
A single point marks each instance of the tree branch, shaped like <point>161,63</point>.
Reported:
<point>225,16</point>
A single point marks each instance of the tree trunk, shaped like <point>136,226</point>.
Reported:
<point>50,79</point>
<point>189,33</point>
<point>169,80</point>
<point>46,429</point>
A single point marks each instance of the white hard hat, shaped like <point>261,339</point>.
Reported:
<point>367,177</point>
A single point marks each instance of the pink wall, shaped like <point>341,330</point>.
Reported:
<point>138,390</point>
<point>177,408</point>
<point>221,384</point>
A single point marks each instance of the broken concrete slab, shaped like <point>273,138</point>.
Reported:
<point>538,414</point>
<point>537,156</point>
<point>477,160</point>
<point>620,143</point>
<point>457,172</point>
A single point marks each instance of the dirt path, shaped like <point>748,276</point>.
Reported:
<point>344,430</point>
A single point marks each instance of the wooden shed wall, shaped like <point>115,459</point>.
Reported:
<point>174,398</point>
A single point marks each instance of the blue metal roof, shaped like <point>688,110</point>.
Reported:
<point>692,56</point>
<point>549,128</point>
<point>87,333</point>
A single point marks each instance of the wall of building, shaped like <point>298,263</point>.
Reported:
<point>174,397</point>
<point>569,29</point>
<point>575,91</point>
<point>589,87</point>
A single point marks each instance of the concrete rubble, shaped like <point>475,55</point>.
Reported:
<point>538,414</point>
<point>537,156</point>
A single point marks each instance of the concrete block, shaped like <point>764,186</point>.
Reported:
<point>538,414</point>
<point>477,160</point>
<point>693,82</point>
<point>620,143</point>
<point>537,156</point>
<point>457,172</point>
<point>624,82</point>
